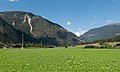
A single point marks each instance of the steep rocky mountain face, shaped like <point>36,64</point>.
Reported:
<point>39,28</point>
<point>8,33</point>
<point>102,33</point>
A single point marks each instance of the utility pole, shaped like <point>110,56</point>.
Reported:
<point>22,41</point>
<point>41,44</point>
<point>68,39</point>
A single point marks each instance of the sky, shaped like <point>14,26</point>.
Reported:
<point>78,16</point>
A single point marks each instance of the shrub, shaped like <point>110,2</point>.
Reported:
<point>91,46</point>
<point>117,44</point>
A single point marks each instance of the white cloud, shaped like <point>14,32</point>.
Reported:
<point>13,0</point>
<point>109,21</point>
<point>79,29</point>
<point>68,23</point>
<point>77,34</point>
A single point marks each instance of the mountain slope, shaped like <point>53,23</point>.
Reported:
<point>8,33</point>
<point>105,32</point>
<point>39,28</point>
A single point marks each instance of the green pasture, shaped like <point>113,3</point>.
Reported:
<point>60,60</point>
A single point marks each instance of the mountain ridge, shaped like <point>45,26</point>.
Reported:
<point>101,33</point>
<point>39,28</point>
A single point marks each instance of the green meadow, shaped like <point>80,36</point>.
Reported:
<point>60,60</point>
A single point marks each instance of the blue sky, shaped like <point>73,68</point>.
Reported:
<point>77,16</point>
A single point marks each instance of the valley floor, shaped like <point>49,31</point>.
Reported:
<point>60,60</point>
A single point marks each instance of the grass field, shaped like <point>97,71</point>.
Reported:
<point>60,60</point>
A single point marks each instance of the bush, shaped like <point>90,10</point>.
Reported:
<point>91,46</point>
<point>117,44</point>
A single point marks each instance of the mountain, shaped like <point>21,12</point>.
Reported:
<point>8,33</point>
<point>39,28</point>
<point>102,33</point>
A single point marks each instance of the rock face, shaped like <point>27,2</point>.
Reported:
<point>8,33</point>
<point>102,33</point>
<point>38,28</point>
